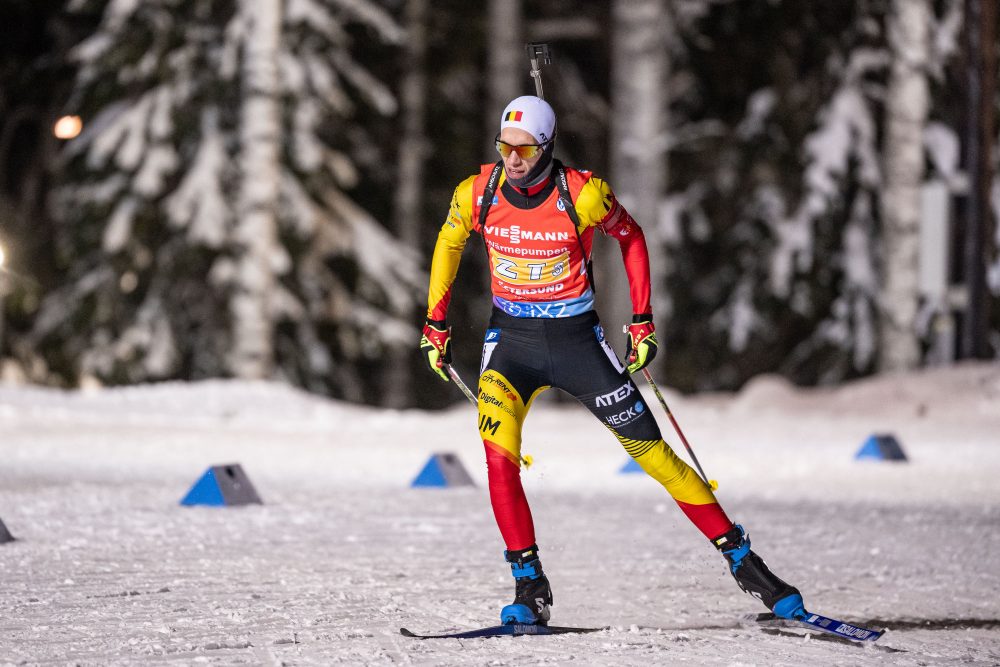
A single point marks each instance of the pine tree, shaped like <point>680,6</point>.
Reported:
<point>779,194</point>
<point>772,206</point>
<point>205,226</point>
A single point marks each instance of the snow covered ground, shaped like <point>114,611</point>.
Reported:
<point>110,569</point>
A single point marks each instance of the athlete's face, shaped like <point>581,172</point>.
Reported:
<point>514,164</point>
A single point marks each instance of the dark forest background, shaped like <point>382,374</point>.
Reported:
<point>761,144</point>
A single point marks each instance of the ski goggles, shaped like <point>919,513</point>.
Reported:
<point>525,151</point>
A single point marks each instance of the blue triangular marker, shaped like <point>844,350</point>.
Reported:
<point>443,469</point>
<point>881,447</point>
<point>630,467</point>
<point>431,475</point>
<point>205,491</point>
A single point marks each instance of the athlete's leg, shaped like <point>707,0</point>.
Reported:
<point>598,380</point>
<point>514,370</point>
<point>506,388</point>
<point>592,373</point>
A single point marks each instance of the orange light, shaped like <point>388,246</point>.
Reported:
<point>67,127</point>
<point>1,256</point>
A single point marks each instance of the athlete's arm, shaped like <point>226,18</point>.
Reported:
<point>448,251</point>
<point>598,204</point>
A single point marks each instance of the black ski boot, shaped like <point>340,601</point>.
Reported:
<point>532,595</point>
<point>752,575</point>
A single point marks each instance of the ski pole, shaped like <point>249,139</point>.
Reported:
<point>538,51</point>
<point>461,385</point>
<point>527,459</point>
<point>713,484</point>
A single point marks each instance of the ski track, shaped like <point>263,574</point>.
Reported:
<point>108,569</point>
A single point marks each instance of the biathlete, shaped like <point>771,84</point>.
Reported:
<point>537,219</point>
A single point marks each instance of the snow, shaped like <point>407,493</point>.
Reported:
<point>943,149</point>
<point>739,317</point>
<point>325,85</point>
<point>860,275</point>
<point>133,126</point>
<point>118,12</point>
<point>377,93</point>
<point>759,107</point>
<point>392,267</point>
<point>306,152</point>
<point>370,13</point>
<point>199,203</point>
<point>159,163</point>
<point>118,128</point>
<point>119,230</point>
<point>846,131</point>
<point>946,36</point>
<point>108,568</point>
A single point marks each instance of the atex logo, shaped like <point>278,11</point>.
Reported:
<point>616,396</point>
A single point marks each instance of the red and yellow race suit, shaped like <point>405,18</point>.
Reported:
<point>544,333</point>
<point>538,261</point>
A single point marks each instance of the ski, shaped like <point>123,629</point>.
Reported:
<point>831,626</point>
<point>809,620</point>
<point>512,630</point>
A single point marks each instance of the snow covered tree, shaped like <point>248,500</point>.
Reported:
<point>773,197</point>
<point>205,226</point>
<point>906,106</point>
<point>639,76</point>
<point>408,204</point>
<point>784,164</point>
<point>506,65</point>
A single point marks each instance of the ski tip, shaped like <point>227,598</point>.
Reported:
<point>407,633</point>
<point>839,628</point>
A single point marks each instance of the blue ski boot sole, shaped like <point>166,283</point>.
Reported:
<point>519,614</point>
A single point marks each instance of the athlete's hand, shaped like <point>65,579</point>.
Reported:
<point>641,342</point>
<point>435,344</point>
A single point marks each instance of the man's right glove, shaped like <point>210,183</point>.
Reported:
<point>435,343</point>
<point>641,344</point>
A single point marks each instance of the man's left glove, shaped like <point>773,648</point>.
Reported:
<point>435,344</point>
<point>641,342</point>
